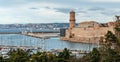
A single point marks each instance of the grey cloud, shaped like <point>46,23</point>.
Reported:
<point>96,9</point>
<point>81,11</point>
<point>110,13</point>
<point>34,8</point>
<point>48,7</point>
<point>11,3</point>
<point>63,10</point>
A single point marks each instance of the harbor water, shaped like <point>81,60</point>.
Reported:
<point>48,44</point>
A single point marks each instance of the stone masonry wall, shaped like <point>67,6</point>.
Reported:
<point>87,35</point>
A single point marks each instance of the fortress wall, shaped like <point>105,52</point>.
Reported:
<point>86,35</point>
<point>67,34</point>
<point>91,32</point>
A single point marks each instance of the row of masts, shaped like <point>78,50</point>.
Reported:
<point>42,39</point>
<point>18,40</point>
<point>9,40</point>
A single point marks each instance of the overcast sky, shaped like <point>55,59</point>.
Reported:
<point>57,11</point>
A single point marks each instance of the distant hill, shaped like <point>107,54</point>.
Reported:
<point>35,26</point>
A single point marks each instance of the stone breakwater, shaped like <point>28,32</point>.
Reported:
<point>42,35</point>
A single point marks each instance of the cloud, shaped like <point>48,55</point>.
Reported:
<point>33,8</point>
<point>26,15</point>
<point>105,0</point>
<point>50,11</point>
<point>101,16</point>
<point>63,10</point>
<point>83,11</point>
<point>111,12</point>
<point>52,14</point>
<point>96,9</point>
<point>33,12</point>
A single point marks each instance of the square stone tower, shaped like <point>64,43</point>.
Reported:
<point>72,20</point>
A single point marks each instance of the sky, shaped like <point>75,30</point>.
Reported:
<point>57,11</point>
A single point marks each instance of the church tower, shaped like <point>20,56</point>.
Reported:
<point>72,20</point>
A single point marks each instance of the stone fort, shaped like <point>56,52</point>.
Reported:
<point>87,31</point>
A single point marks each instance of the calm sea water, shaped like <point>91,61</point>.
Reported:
<point>51,43</point>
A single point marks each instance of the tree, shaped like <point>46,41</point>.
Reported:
<point>94,55</point>
<point>51,57</point>
<point>18,56</point>
<point>109,39</point>
<point>64,56</point>
<point>1,59</point>
<point>43,57</point>
<point>111,55</point>
<point>66,53</point>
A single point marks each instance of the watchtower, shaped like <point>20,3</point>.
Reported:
<point>72,20</point>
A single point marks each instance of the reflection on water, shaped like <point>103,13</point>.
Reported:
<point>52,43</point>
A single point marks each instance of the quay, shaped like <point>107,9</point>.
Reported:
<point>42,35</point>
<point>10,32</point>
